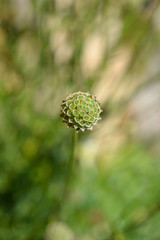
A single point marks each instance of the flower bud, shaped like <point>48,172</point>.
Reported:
<point>80,111</point>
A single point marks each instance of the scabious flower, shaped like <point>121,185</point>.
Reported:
<point>80,111</point>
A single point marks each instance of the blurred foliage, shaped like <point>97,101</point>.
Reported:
<point>48,49</point>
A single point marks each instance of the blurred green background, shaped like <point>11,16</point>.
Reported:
<point>48,49</point>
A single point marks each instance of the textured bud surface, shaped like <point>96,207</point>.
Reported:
<point>80,111</point>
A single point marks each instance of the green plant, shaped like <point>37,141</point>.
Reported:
<point>81,111</point>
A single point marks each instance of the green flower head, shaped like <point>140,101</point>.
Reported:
<point>80,111</point>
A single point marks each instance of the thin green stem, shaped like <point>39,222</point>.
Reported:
<point>70,162</point>
<point>69,173</point>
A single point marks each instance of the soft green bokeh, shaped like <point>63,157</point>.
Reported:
<point>49,49</point>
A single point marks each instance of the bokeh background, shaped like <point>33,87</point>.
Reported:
<point>49,48</point>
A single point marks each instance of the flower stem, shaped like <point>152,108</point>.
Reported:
<point>71,162</point>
